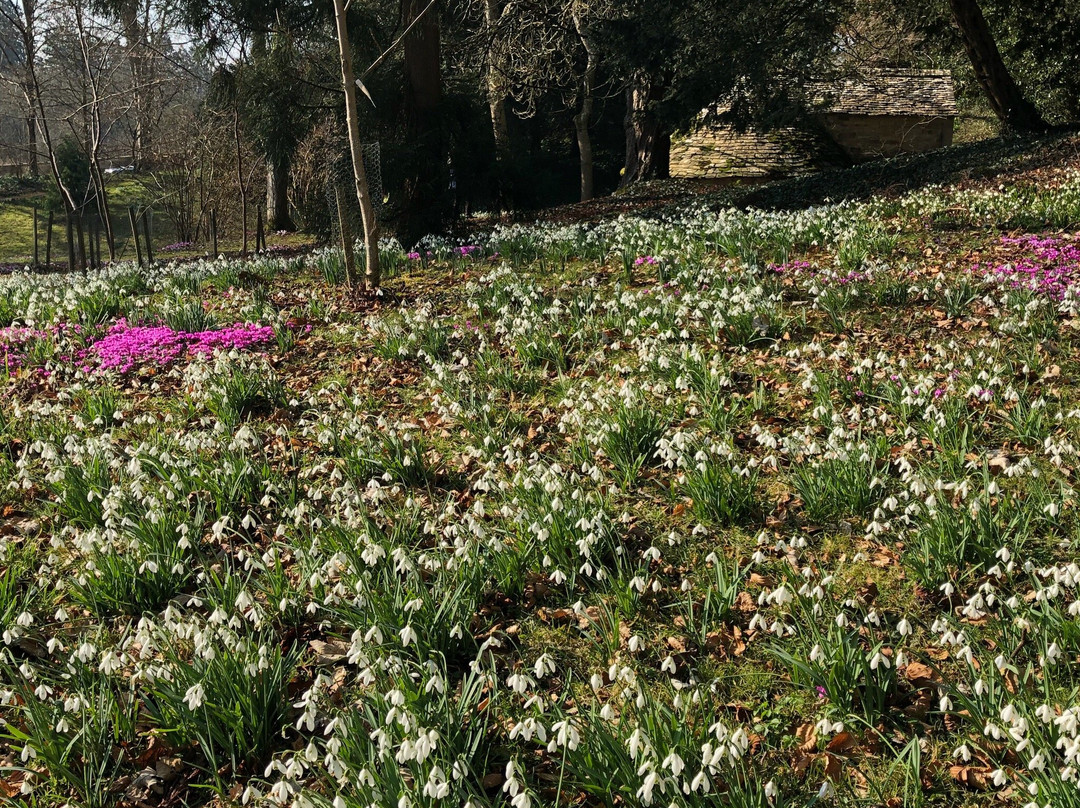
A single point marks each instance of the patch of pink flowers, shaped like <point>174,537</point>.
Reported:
<point>808,270</point>
<point>126,346</point>
<point>13,342</point>
<point>1050,265</point>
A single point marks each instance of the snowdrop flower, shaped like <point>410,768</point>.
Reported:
<point>195,696</point>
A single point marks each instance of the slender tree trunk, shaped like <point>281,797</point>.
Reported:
<point>241,185</point>
<point>277,195</point>
<point>80,244</point>
<point>648,147</point>
<point>1005,96</point>
<point>138,65</point>
<point>135,235</point>
<point>584,115</point>
<point>102,200</point>
<point>29,81</point>
<point>31,145</point>
<point>367,206</point>
<point>497,92</point>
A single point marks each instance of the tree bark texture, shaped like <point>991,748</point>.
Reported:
<point>1005,96</point>
<point>583,118</point>
<point>648,147</point>
<point>363,196</point>
<point>277,194</point>
<point>497,92</point>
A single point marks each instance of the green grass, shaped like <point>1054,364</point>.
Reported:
<point>548,535</point>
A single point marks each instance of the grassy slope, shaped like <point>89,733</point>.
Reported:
<point>530,617</point>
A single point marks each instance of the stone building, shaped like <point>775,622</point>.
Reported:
<point>879,113</point>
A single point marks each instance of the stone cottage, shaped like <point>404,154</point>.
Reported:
<point>879,113</point>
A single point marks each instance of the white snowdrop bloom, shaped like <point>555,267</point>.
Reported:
<point>110,663</point>
<point>565,734</point>
<point>544,665</point>
<point>780,596</point>
<point>771,791</point>
<point>879,660</point>
<point>408,635</point>
<point>1053,654</point>
<point>195,696</point>
<point>645,792</point>
<point>904,627</point>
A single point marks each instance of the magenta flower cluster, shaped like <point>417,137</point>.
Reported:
<point>178,246</point>
<point>13,344</point>
<point>126,346</point>
<point>646,260</point>
<point>1050,266</point>
<point>807,269</point>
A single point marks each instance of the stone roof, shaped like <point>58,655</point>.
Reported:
<point>928,93</point>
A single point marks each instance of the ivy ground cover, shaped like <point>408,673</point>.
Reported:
<point>725,508</point>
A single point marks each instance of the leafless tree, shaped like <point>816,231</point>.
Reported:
<point>537,47</point>
<point>363,195</point>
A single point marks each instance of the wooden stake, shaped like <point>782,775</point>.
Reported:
<point>148,231</point>
<point>80,246</point>
<point>36,255</point>
<point>213,232</point>
<point>70,242</point>
<point>134,222</point>
<point>48,241</point>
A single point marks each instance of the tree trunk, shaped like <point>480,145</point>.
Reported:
<point>584,115</point>
<point>101,199</point>
<point>497,92</point>
<point>1005,96</point>
<point>29,81</point>
<point>31,145</point>
<point>367,207</point>
<point>585,150</point>
<point>138,65</point>
<point>240,184</point>
<point>277,195</point>
<point>425,185</point>
<point>648,147</point>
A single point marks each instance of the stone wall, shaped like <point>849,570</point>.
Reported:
<point>717,152</point>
